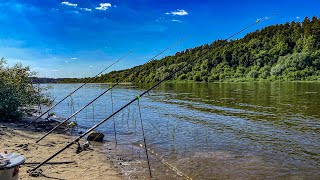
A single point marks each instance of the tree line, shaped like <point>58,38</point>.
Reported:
<point>285,52</point>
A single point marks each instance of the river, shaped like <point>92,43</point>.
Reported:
<point>210,131</point>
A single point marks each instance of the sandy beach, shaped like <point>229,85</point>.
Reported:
<point>91,164</point>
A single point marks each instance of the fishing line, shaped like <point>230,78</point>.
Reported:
<point>114,122</point>
<point>72,108</point>
<point>92,113</point>
<point>154,127</point>
<point>36,96</point>
<point>133,119</point>
<point>118,82</point>
<point>86,114</point>
<point>39,100</point>
<point>105,108</point>
<point>144,137</point>
<point>128,117</point>
<point>176,170</point>
<point>77,89</point>
<point>133,100</point>
<point>75,122</point>
<point>122,118</point>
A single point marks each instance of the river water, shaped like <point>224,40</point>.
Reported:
<point>210,131</point>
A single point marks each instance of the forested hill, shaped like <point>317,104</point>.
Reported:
<point>286,52</point>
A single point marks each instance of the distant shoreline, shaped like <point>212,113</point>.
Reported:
<point>90,83</point>
<point>187,82</point>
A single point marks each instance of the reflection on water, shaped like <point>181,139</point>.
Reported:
<point>206,131</point>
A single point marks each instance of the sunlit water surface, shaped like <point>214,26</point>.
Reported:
<point>210,131</point>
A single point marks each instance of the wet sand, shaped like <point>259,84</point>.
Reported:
<point>91,164</point>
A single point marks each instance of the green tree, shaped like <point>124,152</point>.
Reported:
<point>17,91</point>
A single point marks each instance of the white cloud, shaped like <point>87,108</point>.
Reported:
<point>69,4</point>
<point>104,6</point>
<point>55,70</point>
<point>263,19</point>
<point>297,17</point>
<point>86,9</point>
<point>178,12</point>
<point>74,58</point>
<point>176,20</point>
<point>91,66</point>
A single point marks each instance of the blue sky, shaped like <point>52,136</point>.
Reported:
<point>77,38</point>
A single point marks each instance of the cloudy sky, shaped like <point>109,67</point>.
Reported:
<point>77,38</point>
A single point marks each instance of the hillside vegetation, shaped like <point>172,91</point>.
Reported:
<point>284,52</point>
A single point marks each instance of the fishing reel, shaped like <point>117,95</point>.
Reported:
<point>83,147</point>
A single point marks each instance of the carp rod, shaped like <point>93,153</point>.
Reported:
<point>133,100</point>
<point>111,87</point>
<point>77,89</point>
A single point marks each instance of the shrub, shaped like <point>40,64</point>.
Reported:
<point>182,77</point>
<point>16,91</point>
<point>253,74</point>
<point>264,72</point>
<point>213,78</point>
<point>204,79</point>
<point>277,70</point>
<point>197,77</point>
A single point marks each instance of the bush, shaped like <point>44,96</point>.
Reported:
<point>222,77</point>
<point>253,74</point>
<point>16,91</point>
<point>277,70</point>
<point>213,78</point>
<point>204,79</point>
<point>197,77</point>
<point>264,72</point>
<point>297,60</point>
<point>182,77</point>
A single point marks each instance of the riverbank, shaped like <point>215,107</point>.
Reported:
<point>87,165</point>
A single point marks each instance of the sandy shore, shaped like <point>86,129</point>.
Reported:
<point>90,164</point>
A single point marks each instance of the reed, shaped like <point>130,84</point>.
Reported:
<point>86,114</point>
<point>92,113</point>
<point>122,118</point>
<point>206,135</point>
<point>128,116</point>
<point>172,134</point>
<point>72,108</point>
<point>134,120</point>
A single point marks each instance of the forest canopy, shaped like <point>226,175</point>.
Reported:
<point>286,52</point>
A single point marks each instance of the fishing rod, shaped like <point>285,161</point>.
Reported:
<point>111,87</point>
<point>133,100</point>
<point>77,89</point>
